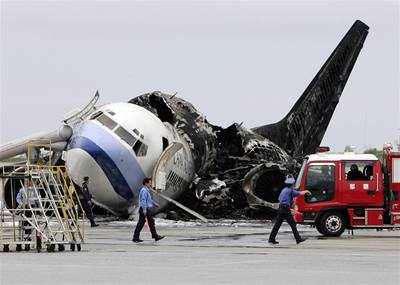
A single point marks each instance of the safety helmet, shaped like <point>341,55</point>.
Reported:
<point>290,180</point>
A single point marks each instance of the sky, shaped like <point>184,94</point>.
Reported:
<point>234,61</point>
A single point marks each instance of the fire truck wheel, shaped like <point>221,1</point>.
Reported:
<point>332,224</point>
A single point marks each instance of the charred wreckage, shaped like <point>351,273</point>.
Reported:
<point>237,167</point>
<point>224,159</point>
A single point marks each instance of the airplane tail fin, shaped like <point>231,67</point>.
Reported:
<point>303,128</point>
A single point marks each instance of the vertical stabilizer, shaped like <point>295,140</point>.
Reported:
<point>303,128</point>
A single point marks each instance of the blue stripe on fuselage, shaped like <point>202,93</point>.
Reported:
<point>109,168</point>
<point>118,163</point>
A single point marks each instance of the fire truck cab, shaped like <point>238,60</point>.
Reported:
<point>349,191</point>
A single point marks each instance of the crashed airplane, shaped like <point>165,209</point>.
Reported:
<point>165,137</point>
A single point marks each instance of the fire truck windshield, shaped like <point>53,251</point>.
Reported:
<point>300,176</point>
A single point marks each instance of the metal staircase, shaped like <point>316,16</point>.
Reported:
<point>50,209</point>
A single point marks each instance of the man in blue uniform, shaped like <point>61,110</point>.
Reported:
<point>146,204</point>
<point>27,201</point>
<point>285,202</point>
<point>26,196</point>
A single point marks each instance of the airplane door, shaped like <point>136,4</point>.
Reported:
<point>173,172</point>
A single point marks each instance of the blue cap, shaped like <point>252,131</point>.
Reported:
<point>290,180</point>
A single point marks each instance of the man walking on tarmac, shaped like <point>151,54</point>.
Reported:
<point>285,202</point>
<point>146,204</point>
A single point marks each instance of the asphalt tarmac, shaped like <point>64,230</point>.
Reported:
<point>226,252</point>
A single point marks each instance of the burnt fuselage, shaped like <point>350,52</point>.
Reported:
<point>225,154</point>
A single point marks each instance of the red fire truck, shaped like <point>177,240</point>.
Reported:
<point>349,191</point>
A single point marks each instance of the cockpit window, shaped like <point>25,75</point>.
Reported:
<point>106,121</point>
<point>111,113</point>
<point>137,146</point>
<point>125,136</point>
<point>140,148</point>
<point>136,132</point>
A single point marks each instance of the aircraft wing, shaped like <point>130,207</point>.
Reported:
<point>58,139</point>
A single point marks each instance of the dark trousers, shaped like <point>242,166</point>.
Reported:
<point>141,222</point>
<point>88,210</point>
<point>26,225</point>
<point>284,214</point>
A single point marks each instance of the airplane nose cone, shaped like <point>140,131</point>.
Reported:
<point>79,164</point>
<point>114,172</point>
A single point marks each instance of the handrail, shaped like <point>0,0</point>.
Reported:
<point>80,115</point>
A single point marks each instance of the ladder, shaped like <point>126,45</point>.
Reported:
<point>50,209</point>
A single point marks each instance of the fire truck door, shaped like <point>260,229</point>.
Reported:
<point>320,181</point>
<point>360,185</point>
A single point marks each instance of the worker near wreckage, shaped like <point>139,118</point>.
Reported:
<point>27,201</point>
<point>86,198</point>
<point>285,202</point>
<point>146,204</point>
